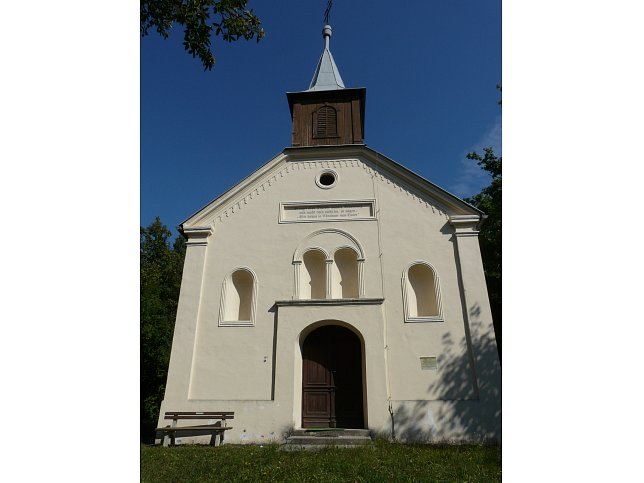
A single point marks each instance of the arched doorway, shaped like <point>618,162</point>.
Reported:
<point>332,379</point>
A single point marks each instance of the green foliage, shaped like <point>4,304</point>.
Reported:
<point>489,201</point>
<point>383,462</point>
<point>161,268</point>
<point>200,19</point>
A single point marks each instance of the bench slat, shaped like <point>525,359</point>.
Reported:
<point>229,413</point>
<point>214,415</point>
<point>198,428</point>
<point>198,417</point>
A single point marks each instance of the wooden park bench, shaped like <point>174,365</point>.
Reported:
<point>217,429</point>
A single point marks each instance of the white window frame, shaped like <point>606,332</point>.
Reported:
<point>222,304</point>
<point>437,294</point>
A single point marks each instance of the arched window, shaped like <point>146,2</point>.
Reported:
<point>421,294</point>
<point>238,298</point>
<point>345,274</point>
<point>328,264</point>
<point>325,122</point>
<point>313,277</point>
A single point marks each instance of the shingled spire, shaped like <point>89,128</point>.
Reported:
<point>327,113</point>
<point>327,76</point>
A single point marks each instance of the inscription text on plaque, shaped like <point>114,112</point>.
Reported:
<point>326,211</point>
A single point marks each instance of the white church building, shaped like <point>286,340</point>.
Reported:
<point>334,288</point>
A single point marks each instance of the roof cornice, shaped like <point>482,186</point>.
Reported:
<point>233,199</point>
<point>389,165</point>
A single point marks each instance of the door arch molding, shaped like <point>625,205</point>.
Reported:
<point>321,323</point>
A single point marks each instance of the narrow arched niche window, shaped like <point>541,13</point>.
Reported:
<point>238,298</point>
<point>421,293</point>
<point>345,274</point>
<point>313,277</point>
<point>325,122</point>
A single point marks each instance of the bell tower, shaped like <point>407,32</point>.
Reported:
<point>327,113</point>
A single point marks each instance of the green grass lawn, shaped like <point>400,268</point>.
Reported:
<point>383,462</point>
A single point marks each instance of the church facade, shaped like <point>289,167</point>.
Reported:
<point>333,287</point>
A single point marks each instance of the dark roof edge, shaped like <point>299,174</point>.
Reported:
<point>362,91</point>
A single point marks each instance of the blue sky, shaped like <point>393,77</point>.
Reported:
<point>430,70</point>
<point>72,145</point>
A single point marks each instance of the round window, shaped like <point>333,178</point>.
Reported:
<point>326,179</point>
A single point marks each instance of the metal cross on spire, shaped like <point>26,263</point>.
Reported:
<point>327,12</point>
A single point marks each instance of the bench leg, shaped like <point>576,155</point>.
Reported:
<point>168,439</point>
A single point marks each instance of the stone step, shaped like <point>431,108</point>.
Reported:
<point>318,447</point>
<point>330,441</point>
<point>312,439</point>
<point>327,433</point>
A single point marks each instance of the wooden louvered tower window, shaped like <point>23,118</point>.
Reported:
<point>325,122</point>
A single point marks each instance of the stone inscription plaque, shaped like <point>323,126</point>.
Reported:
<point>428,364</point>
<point>316,212</point>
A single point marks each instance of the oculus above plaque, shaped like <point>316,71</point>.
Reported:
<point>326,179</point>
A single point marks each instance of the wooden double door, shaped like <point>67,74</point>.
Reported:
<point>332,379</point>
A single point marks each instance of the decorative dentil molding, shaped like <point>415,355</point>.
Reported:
<point>378,175</point>
<point>289,166</point>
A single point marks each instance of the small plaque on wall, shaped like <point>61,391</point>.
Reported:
<point>428,364</point>
<point>308,212</point>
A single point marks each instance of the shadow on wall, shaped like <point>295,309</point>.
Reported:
<point>466,405</point>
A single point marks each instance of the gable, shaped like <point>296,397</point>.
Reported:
<point>381,169</point>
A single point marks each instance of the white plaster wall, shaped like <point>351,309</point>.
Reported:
<point>254,239</point>
<point>257,421</point>
<point>412,231</point>
<point>256,371</point>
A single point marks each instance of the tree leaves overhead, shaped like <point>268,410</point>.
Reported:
<point>200,18</point>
